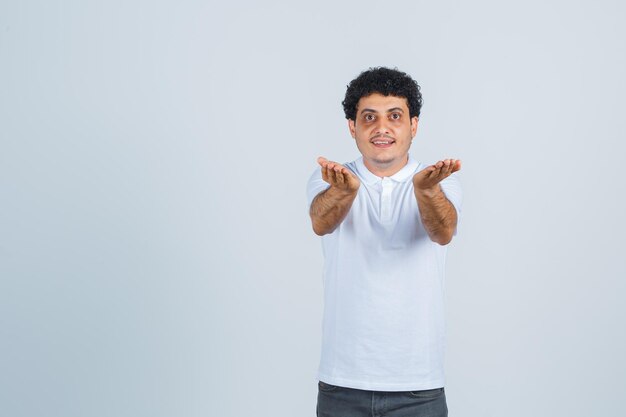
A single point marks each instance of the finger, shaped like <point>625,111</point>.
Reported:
<point>325,175</point>
<point>347,173</point>
<point>321,160</point>
<point>457,165</point>
<point>448,169</point>
<point>339,176</point>
<point>426,173</point>
<point>331,175</point>
<point>449,166</point>
<point>436,169</point>
<point>441,170</point>
<point>336,165</point>
<point>453,166</point>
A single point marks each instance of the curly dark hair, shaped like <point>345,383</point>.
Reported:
<point>385,81</point>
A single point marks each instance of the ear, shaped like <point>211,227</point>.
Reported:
<point>414,121</point>
<point>352,128</point>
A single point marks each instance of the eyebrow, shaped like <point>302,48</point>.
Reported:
<point>388,111</point>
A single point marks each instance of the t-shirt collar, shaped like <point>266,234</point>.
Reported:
<point>405,173</point>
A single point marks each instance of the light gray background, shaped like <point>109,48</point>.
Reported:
<point>156,256</point>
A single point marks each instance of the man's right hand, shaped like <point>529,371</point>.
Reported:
<point>331,206</point>
<point>338,176</point>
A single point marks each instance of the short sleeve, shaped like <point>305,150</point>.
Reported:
<point>451,187</point>
<point>315,186</point>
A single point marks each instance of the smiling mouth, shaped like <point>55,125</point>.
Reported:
<point>382,143</point>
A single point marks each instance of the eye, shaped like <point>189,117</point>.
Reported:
<point>395,116</point>
<point>369,117</point>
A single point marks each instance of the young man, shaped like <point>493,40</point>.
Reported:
<point>384,220</point>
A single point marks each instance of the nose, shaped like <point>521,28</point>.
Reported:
<point>381,128</point>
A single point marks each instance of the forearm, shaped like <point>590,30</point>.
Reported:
<point>329,208</point>
<point>438,214</point>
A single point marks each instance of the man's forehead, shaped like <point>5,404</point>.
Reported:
<point>377,101</point>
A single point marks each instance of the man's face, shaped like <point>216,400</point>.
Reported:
<point>383,131</point>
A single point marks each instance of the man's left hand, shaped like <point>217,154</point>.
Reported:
<point>428,178</point>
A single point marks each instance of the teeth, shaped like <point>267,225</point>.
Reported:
<point>381,143</point>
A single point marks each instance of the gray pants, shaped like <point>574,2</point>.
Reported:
<point>335,401</point>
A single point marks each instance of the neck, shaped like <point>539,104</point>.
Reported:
<point>385,169</point>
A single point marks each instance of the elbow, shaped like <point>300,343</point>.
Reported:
<point>321,228</point>
<point>442,235</point>
<point>318,229</point>
<point>442,238</point>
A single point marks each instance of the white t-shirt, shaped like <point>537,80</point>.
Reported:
<point>383,327</point>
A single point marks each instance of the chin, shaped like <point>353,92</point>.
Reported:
<point>383,161</point>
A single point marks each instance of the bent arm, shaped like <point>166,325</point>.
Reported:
<point>330,207</point>
<point>438,214</point>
